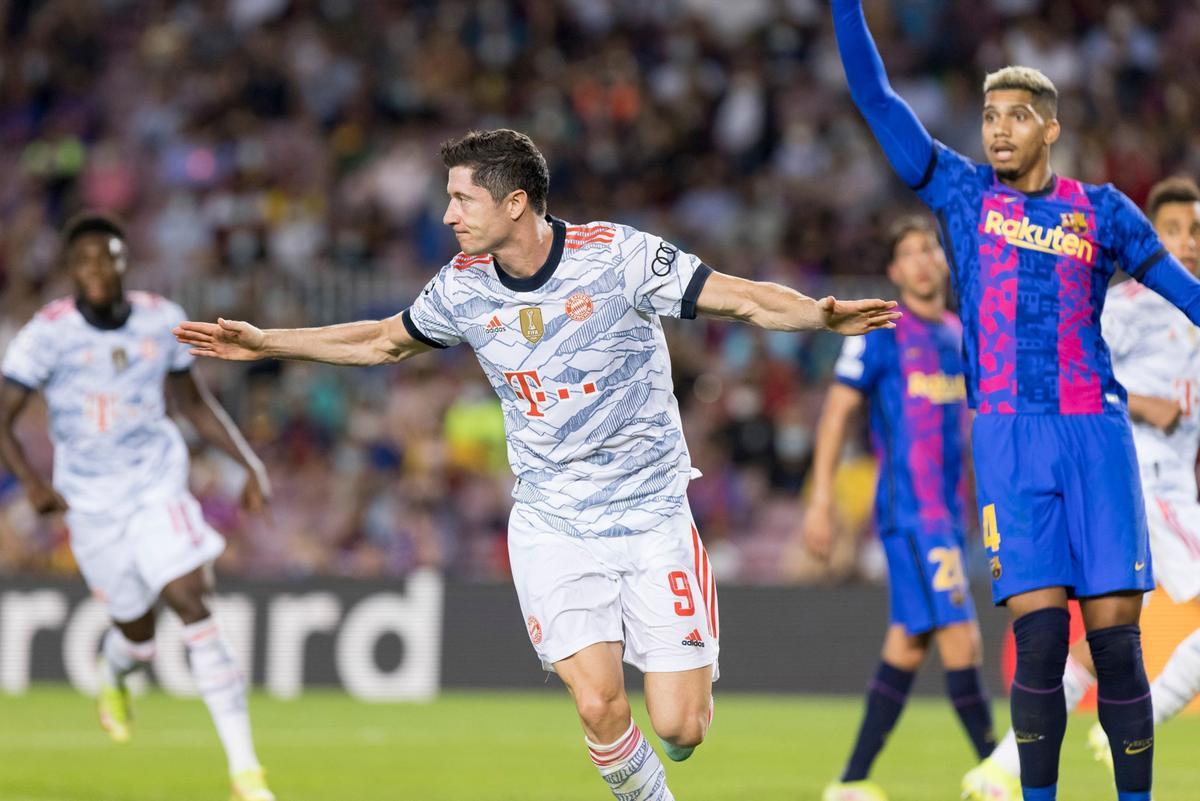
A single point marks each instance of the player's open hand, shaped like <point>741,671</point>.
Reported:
<point>225,339</point>
<point>45,500</point>
<point>1162,413</point>
<point>853,317</point>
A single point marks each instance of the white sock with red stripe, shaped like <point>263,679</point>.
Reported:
<point>122,656</point>
<point>223,688</point>
<point>631,768</point>
<point>1179,681</point>
<point>1076,682</point>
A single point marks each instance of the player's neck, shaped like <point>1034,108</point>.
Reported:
<point>1036,180</point>
<point>526,251</point>
<point>929,309</point>
<point>107,318</point>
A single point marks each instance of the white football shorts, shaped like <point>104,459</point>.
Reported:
<point>655,592</point>
<point>1174,518</point>
<point>127,560</point>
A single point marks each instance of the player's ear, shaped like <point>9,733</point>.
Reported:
<point>1052,132</point>
<point>517,202</point>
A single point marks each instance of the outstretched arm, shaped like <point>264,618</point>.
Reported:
<point>779,308</point>
<point>905,142</point>
<point>194,401</point>
<point>365,343</point>
<point>1171,279</point>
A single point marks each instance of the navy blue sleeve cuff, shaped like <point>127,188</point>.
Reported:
<point>415,333</point>
<point>1154,258</point>
<point>8,379</point>
<point>929,168</point>
<point>687,309</point>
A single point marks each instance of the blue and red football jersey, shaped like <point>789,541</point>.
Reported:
<point>912,376</point>
<point>1031,272</point>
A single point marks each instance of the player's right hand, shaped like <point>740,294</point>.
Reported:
<point>45,500</point>
<point>1162,413</point>
<point>225,339</point>
<point>818,529</point>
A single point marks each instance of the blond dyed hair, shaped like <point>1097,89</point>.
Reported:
<point>1027,79</point>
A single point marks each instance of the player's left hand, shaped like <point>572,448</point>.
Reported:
<point>853,317</point>
<point>256,494</point>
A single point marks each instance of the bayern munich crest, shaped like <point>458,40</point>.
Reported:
<point>579,307</point>
<point>535,630</point>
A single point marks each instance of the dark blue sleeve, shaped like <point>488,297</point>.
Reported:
<point>905,142</point>
<point>1142,255</point>
<point>1171,279</point>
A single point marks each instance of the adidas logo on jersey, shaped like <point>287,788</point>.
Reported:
<point>494,325</point>
<point>693,639</point>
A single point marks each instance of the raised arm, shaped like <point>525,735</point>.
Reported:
<point>779,308</point>
<point>905,142</point>
<point>819,518</point>
<point>364,343</point>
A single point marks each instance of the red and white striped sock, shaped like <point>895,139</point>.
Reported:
<point>631,768</point>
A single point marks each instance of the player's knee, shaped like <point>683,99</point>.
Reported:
<point>959,646</point>
<point>600,707</point>
<point>1117,654</point>
<point>683,727</point>
<point>1043,640</point>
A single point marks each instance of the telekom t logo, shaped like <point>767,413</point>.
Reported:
<point>528,385</point>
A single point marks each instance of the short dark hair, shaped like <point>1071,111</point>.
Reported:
<point>903,226</point>
<point>91,222</point>
<point>502,161</point>
<point>1176,189</point>
<point>1026,79</point>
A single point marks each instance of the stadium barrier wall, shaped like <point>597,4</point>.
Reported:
<point>408,639</point>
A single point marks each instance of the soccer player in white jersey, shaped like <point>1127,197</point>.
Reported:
<point>1156,357</point>
<point>564,320</point>
<point>102,360</point>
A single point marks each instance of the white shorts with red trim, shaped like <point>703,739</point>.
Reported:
<point>1174,518</point>
<point>655,592</point>
<point>127,560</point>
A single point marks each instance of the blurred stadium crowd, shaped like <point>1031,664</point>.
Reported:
<point>275,160</point>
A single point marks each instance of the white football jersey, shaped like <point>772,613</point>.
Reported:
<point>1156,352</point>
<point>114,444</point>
<point>577,355</point>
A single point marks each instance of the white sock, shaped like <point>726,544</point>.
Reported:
<point>1179,681</point>
<point>122,656</point>
<point>223,689</point>
<point>631,768</point>
<point>1076,682</point>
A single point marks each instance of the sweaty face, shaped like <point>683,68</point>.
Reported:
<point>1015,134</point>
<point>478,221</point>
<point>1178,226</point>
<point>919,266</point>
<point>95,262</point>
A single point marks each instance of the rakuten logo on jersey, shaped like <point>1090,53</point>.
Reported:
<point>528,386</point>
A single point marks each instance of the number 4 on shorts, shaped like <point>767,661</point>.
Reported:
<point>991,533</point>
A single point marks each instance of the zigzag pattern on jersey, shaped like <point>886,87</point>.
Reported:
<point>585,236</point>
<point>464,262</point>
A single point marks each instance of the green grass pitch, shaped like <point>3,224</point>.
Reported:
<point>504,747</point>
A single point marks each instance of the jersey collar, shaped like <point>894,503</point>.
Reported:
<point>109,320</point>
<point>1049,188</point>
<point>538,279</point>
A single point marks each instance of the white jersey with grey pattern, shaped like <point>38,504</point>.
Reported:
<point>114,445</point>
<point>1156,352</point>
<point>576,353</point>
